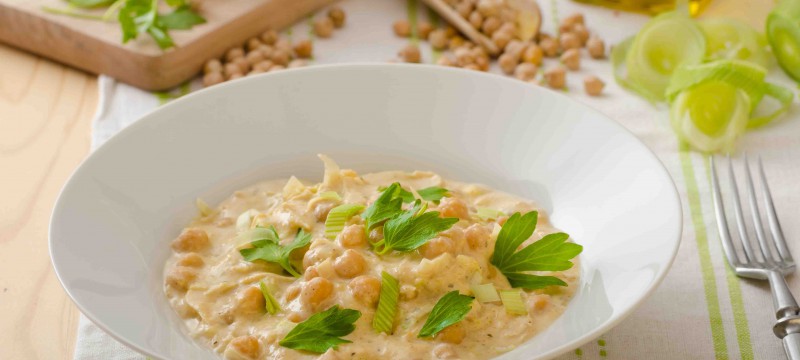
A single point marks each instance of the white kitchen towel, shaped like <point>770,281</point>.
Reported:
<point>701,310</point>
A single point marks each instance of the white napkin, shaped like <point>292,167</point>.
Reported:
<point>701,310</point>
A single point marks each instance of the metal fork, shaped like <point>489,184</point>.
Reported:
<point>772,261</point>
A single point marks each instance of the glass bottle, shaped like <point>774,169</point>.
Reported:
<point>648,6</point>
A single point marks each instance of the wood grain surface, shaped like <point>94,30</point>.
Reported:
<point>95,46</point>
<point>45,113</point>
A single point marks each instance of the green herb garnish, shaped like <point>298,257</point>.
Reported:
<point>269,249</point>
<point>387,304</point>
<point>322,331</point>
<point>272,305</point>
<point>450,309</point>
<point>551,253</point>
<point>386,206</point>
<point>433,193</point>
<point>412,229</point>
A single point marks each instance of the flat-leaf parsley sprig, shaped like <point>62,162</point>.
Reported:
<point>322,331</point>
<point>551,253</point>
<point>412,228</point>
<point>450,309</point>
<point>269,249</point>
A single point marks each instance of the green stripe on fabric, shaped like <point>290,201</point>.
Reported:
<point>735,293</point>
<point>706,267</point>
<point>411,9</point>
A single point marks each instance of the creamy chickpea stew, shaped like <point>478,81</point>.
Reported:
<point>388,265</point>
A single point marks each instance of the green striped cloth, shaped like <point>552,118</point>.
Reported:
<point>701,310</point>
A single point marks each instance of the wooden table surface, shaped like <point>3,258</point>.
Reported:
<point>45,118</point>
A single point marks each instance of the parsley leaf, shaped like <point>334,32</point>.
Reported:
<point>182,18</point>
<point>386,206</point>
<point>269,249</point>
<point>450,309</point>
<point>413,228</point>
<point>322,331</point>
<point>433,193</point>
<point>551,253</point>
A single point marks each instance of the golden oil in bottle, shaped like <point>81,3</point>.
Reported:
<point>649,6</point>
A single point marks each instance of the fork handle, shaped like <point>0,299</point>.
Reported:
<point>791,343</point>
<point>782,298</point>
<point>788,330</point>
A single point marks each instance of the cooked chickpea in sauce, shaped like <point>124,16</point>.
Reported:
<point>236,300</point>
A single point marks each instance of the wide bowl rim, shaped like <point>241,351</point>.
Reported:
<point>156,115</point>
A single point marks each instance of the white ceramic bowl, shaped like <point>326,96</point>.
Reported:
<point>111,227</point>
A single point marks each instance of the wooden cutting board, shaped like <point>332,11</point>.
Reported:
<point>96,47</point>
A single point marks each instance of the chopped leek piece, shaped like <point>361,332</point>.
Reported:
<point>257,233</point>
<point>710,116</point>
<point>485,293</point>
<point>783,33</point>
<point>244,220</point>
<point>512,301</point>
<point>733,39</point>
<point>387,304</point>
<point>667,42</point>
<point>330,195</point>
<point>338,217</point>
<point>272,305</point>
<point>205,210</point>
<point>489,214</point>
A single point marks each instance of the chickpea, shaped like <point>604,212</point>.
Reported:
<point>292,292</point>
<point>231,69</point>
<point>402,28</point>
<point>213,78</point>
<point>464,8</point>
<point>212,66</point>
<point>456,42</point>
<point>410,54</point>
<point>450,31</point>
<point>323,27</point>
<point>366,289</point>
<point>283,44</point>
<point>482,62</point>
<point>477,235</point>
<point>263,66</point>
<point>234,53</point>
<point>446,60</point>
<point>564,28</point>
<point>437,246</point>
<point>304,49</point>
<point>191,240</point>
<point>452,207</point>
<point>281,57</point>
<point>316,255</point>
<point>350,264</point>
<point>501,38</point>
<point>180,277</point>
<point>453,334</point>
<point>596,47</point>
<point>571,59</point>
<point>593,85</point>
<point>376,234</point>
<point>242,347</point>
<point>438,39</point>
<point>352,236</point>
<point>254,57</point>
<point>476,19</point>
<point>573,19</point>
<point>489,7</point>
<point>242,63</point>
<point>472,67</point>
<point>549,47</point>
<point>478,51</point>
<point>445,351</point>
<point>508,27</point>
<point>236,76</point>
<point>569,41</point>
<point>337,15</point>
<point>490,25</point>
<point>526,71</point>
<point>190,260</point>
<point>424,29</point>
<point>555,78</point>
<point>253,43</point>
<point>269,37</point>
<point>533,54</point>
<point>581,32</point>
<point>266,50</point>
<point>540,301</point>
<point>298,63</point>
<point>316,291</point>
<point>250,301</point>
<point>464,56</point>
<point>515,48</point>
<point>296,316</point>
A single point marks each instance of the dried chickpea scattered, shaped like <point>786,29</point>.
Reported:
<point>234,53</point>
<point>337,15</point>
<point>276,67</point>
<point>445,60</point>
<point>476,19</point>
<point>456,42</point>
<point>263,66</point>
<point>569,41</point>
<point>323,27</point>
<point>304,49</point>
<point>491,25</point>
<point>410,54</point>
<point>424,29</point>
<point>438,39</point>
<point>401,28</point>
<point>254,57</point>
<point>501,38</point>
<point>297,63</point>
<point>571,59</point>
<point>515,48</point>
<point>556,77</point>
<point>281,57</point>
<point>526,71</point>
<point>464,8</point>
<point>549,47</point>
<point>269,37</point>
<point>244,66</point>
<point>582,33</point>
<point>507,63</point>
<point>212,66</point>
<point>253,44</point>
<point>596,47</point>
<point>533,54</point>
<point>593,85</point>
<point>573,19</point>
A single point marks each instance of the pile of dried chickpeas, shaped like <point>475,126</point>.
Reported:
<point>269,52</point>
<point>523,59</point>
